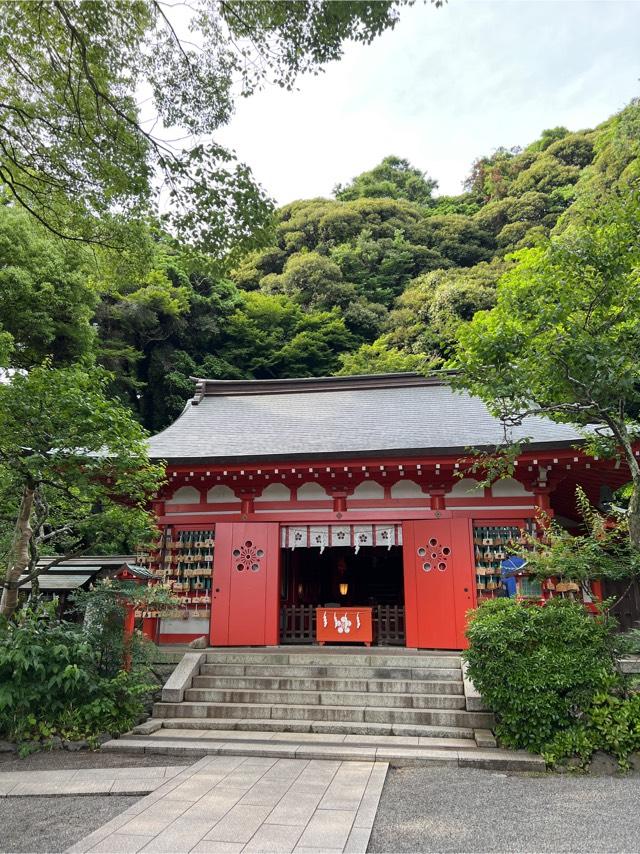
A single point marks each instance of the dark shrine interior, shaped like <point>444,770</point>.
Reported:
<point>339,576</point>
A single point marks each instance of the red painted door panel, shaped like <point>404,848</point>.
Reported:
<point>245,584</point>
<point>439,582</point>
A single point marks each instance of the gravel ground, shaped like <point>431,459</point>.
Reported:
<point>468,810</point>
<point>53,824</point>
<point>60,760</point>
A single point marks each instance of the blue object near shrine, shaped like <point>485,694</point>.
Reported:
<point>510,568</point>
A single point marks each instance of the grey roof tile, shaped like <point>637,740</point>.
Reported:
<point>334,417</point>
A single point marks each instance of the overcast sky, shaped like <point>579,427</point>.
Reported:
<point>444,87</point>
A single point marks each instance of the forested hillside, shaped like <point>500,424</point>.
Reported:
<point>377,278</point>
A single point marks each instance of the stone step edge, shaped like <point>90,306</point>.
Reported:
<point>458,683</point>
<point>344,667</point>
<point>337,657</point>
<point>465,717</point>
<point>226,737</point>
<point>431,668</point>
<point>489,759</point>
<point>450,678</point>
<point>306,706</point>
<point>277,692</point>
<point>303,726</point>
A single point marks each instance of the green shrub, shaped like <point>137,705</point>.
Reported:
<point>52,680</point>
<point>539,668</point>
<point>610,724</point>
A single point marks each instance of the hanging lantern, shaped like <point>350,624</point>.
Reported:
<point>344,588</point>
<point>300,589</point>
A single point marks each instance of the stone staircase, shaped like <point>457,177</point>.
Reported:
<point>332,702</point>
<point>348,693</point>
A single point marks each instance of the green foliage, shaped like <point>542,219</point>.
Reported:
<point>272,336</point>
<point>74,470</point>
<point>610,724</point>
<point>51,682</point>
<point>46,297</point>
<point>547,138</point>
<point>563,337</point>
<point>386,265</point>
<point>434,305</point>
<point>602,551</point>
<point>393,178</point>
<point>539,668</point>
<point>76,148</point>
<point>314,281</point>
<point>378,266</point>
<point>378,358</point>
<point>103,609</point>
<point>489,466</point>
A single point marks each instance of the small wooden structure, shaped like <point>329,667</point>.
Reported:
<point>344,625</point>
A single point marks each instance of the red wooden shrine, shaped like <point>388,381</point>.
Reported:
<point>275,511</point>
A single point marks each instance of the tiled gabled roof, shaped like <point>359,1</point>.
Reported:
<point>391,414</point>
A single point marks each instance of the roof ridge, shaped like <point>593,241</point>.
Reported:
<point>356,382</point>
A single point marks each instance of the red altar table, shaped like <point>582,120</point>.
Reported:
<point>344,625</point>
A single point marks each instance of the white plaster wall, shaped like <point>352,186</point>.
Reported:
<point>312,492</point>
<point>368,489</point>
<point>468,487</point>
<point>221,494</point>
<point>190,626</point>
<point>407,489</point>
<point>185,495</point>
<point>275,492</point>
<point>508,488</point>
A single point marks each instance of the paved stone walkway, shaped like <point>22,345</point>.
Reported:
<point>87,781</point>
<point>225,804</point>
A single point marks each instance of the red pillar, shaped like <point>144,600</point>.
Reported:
<point>150,628</point>
<point>339,502</point>
<point>543,498</point>
<point>437,497</point>
<point>247,497</point>
<point>129,626</point>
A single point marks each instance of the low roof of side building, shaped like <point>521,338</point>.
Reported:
<point>231,421</point>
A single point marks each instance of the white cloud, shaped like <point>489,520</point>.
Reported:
<point>444,87</point>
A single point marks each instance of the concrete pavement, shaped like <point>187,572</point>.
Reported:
<point>468,810</point>
<point>225,804</point>
<point>87,781</point>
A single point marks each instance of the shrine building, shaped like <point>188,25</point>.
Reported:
<point>333,509</point>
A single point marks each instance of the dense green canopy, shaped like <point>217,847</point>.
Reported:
<point>356,283</point>
<point>381,277</point>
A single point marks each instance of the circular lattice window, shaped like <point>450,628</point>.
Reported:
<point>247,557</point>
<point>438,556</point>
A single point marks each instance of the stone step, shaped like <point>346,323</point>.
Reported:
<point>437,717</point>
<point>326,698</point>
<point>300,683</point>
<point>339,659</point>
<point>491,758</point>
<point>317,738</point>
<point>322,671</point>
<point>257,725</point>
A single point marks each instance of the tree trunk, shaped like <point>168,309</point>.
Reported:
<point>620,431</point>
<point>19,553</point>
<point>634,514</point>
